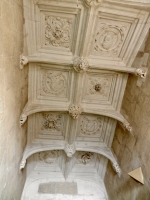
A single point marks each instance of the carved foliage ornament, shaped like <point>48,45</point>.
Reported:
<point>57,31</point>
<point>93,2</point>
<point>85,157</point>
<point>127,126</point>
<point>70,149</point>
<point>75,111</point>
<point>48,157</point>
<point>90,125</point>
<point>54,83</point>
<point>109,39</point>
<point>98,86</point>
<point>51,121</point>
<point>81,64</point>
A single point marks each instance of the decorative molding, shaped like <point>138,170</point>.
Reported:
<point>85,157</point>
<point>75,111</point>
<point>70,149</point>
<point>54,83</point>
<point>23,118</point>
<point>90,125</point>
<point>93,2</point>
<point>81,64</point>
<point>51,121</point>
<point>23,61</point>
<point>109,39</point>
<point>117,168</point>
<point>48,157</point>
<point>57,31</point>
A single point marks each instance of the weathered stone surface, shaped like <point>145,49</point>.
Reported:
<point>13,96</point>
<point>135,147</point>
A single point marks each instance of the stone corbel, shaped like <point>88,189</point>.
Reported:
<point>23,118</point>
<point>70,149</point>
<point>127,126</point>
<point>80,64</point>
<point>75,111</point>
<point>22,164</point>
<point>23,61</point>
<point>117,168</point>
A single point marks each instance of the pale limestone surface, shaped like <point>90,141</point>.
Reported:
<point>133,150</point>
<point>13,95</point>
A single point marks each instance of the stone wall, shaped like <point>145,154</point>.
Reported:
<point>133,151</point>
<point>13,96</point>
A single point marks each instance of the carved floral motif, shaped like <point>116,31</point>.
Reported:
<point>85,158</point>
<point>54,83</point>
<point>48,157</point>
<point>98,86</point>
<point>52,121</point>
<point>109,39</point>
<point>70,149</point>
<point>57,31</point>
<point>90,125</point>
<point>81,64</point>
<point>75,111</point>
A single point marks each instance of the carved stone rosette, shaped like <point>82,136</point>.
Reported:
<point>141,73</point>
<point>51,121</point>
<point>75,111</point>
<point>70,149</point>
<point>81,64</point>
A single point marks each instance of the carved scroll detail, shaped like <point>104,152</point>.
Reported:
<point>70,149</point>
<point>75,111</point>
<point>57,31</point>
<point>81,64</point>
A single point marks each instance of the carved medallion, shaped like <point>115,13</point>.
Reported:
<point>54,83</point>
<point>75,111</point>
<point>48,157</point>
<point>85,158</point>
<point>70,149</point>
<point>109,38</point>
<point>57,31</point>
<point>81,64</point>
<point>51,121</point>
<point>90,125</point>
<point>98,86</point>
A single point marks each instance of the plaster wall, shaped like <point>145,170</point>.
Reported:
<point>13,96</point>
<point>133,150</point>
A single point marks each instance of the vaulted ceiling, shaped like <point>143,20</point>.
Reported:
<point>79,55</point>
